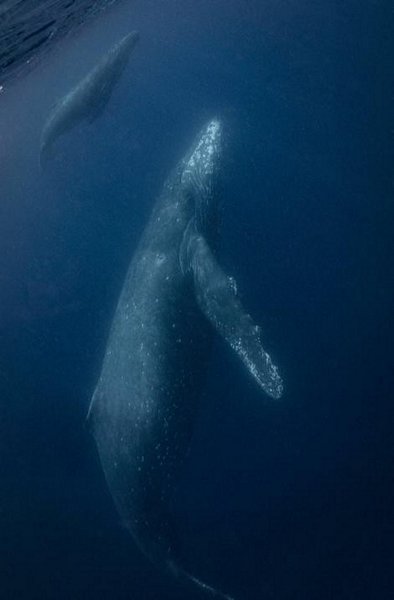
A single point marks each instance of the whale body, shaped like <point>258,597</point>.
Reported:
<point>88,99</point>
<point>175,296</point>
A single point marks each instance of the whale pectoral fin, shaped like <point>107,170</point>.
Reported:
<point>217,297</point>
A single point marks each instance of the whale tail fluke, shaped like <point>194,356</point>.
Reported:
<point>42,159</point>
<point>188,580</point>
<point>46,153</point>
<point>161,544</point>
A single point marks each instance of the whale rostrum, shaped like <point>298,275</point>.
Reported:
<point>88,99</point>
<point>175,296</point>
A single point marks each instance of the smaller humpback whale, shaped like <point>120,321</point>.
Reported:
<point>88,99</point>
<point>175,296</point>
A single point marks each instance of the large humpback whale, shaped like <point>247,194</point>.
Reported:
<point>87,100</point>
<point>174,297</point>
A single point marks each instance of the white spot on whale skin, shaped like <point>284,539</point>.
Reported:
<point>160,259</point>
<point>233,285</point>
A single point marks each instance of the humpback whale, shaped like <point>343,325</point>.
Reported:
<point>174,297</point>
<point>88,99</point>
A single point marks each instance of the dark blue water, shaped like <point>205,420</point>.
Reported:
<point>283,500</point>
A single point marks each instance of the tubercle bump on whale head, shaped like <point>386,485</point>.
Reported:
<point>206,150</point>
<point>201,163</point>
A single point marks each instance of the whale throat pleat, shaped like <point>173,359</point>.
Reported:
<point>217,297</point>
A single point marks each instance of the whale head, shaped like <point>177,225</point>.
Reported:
<point>200,170</point>
<point>129,41</point>
<point>201,164</point>
<point>121,52</point>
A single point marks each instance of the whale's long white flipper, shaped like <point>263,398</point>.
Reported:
<point>217,296</point>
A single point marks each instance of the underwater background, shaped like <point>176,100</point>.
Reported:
<point>289,499</point>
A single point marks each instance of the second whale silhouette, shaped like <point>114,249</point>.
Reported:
<point>88,99</point>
